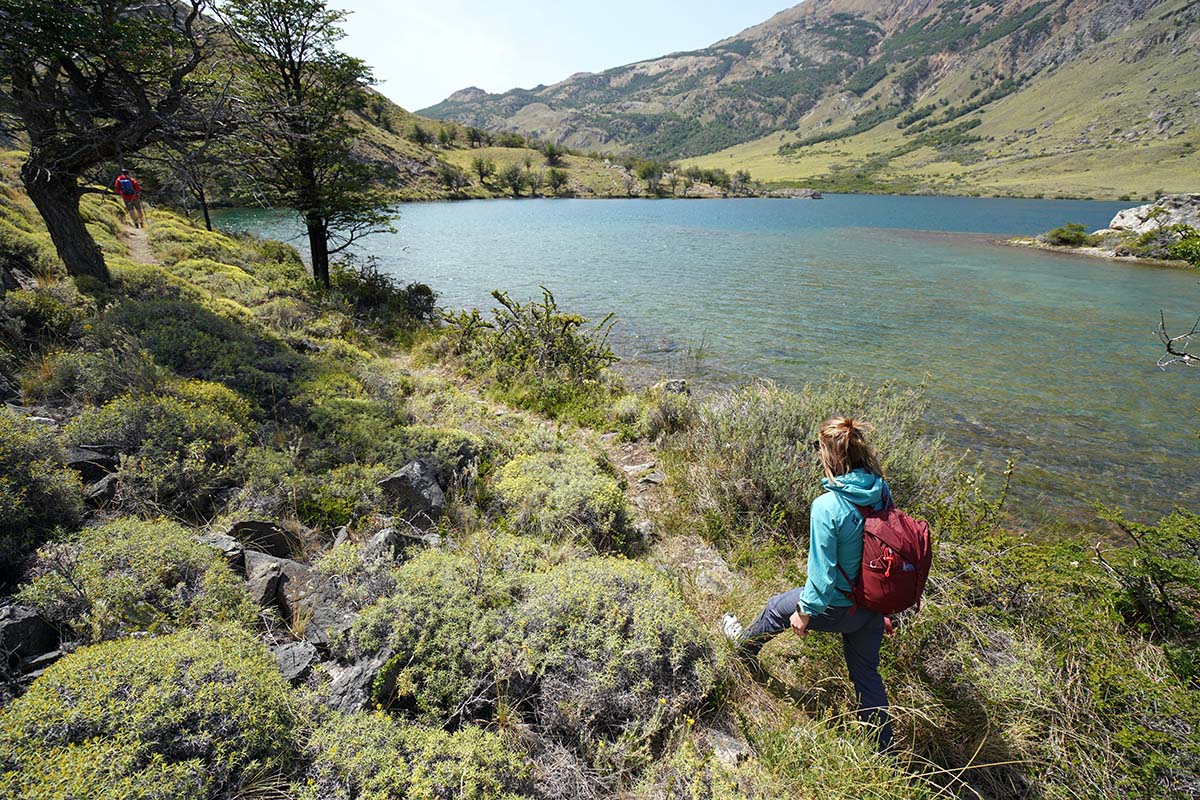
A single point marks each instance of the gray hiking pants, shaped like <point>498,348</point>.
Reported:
<point>862,635</point>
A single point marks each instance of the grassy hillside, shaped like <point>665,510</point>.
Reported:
<point>1084,98</point>
<point>1091,128</point>
<point>192,475</point>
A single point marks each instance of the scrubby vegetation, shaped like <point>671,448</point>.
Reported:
<point>552,635</point>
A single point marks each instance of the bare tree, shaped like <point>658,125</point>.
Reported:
<point>89,83</point>
<point>1179,347</point>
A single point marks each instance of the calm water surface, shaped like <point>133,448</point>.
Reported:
<point>1044,358</point>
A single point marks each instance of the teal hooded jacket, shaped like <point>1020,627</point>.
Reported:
<point>836,537</point>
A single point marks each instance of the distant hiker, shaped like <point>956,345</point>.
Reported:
<point>826,603</point>
<point>131,192</point>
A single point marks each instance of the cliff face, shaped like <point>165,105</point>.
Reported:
<point>826,64</point>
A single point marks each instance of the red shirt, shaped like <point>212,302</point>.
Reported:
<point>137,187</point>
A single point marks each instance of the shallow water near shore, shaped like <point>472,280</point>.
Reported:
<point>1044,358</point>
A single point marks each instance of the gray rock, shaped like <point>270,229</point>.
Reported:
<point>728,749</point>
<point>263,574</point>
<point>296,660</point>
<point>38,664</point>
<point>350,690</point>
<point>231,548</point>
<point>265,537</point>
<point>24,634</point>
<point>677,386</point>
<point>415,490</point>
<point>1172,209</point>
<point>102,491</point>
<point>654,478</point>
<point>91,464</point>
<point>309,603</point>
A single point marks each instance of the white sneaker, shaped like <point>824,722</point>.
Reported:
<point>731,628</point>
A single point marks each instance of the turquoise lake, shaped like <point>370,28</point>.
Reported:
<point>1043,358</point>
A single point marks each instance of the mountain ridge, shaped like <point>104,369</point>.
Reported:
<point>836,69</point>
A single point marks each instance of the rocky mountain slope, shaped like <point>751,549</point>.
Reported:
<point>958,82</point>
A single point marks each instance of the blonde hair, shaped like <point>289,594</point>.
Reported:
<point>844,448</point>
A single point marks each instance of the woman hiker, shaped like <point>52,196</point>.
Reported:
<point>825,604</point>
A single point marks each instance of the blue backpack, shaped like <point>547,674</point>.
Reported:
<point>125,184</point>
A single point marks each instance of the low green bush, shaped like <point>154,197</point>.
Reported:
<point>27,249</point>
<point>38,318</point>
<point>606,656</point>
<point>223,280</point>
<point>655,414</point>
<point>565,493</point>
<point>174,240</point>
<point>196,714</point>
<point>135,576</point>
<point>1073,234</point>
<point>107,365</point>
<point>177,451</point>
<point>443,631</point>
<point>1188,247</point>
<point>374,757</point>
<point>746,467</point>
<point>539,356</point>
<point>379,298</point>
<point>37,493</point>
<point>195,342</point>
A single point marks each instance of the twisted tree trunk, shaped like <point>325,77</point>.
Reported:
<point>56,196</point>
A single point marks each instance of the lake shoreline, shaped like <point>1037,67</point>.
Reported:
<point>1092,252</point>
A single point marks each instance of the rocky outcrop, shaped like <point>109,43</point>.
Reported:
<point>296,660</point>
<point>415,491</point>
<point>795,194</point>
<point>1172,209</point>
<point>265,537</point>
<point>24,634</point>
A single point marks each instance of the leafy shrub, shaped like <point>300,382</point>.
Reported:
<point>192,714</point>
<point>176,451</point>
<point>174,240</point>
<point>689,775</point>
<point>441,634</point>
<point>374,757</point>
<point>1160,580</point>
<point>1188,247</point>
<point>106,366</point>
<point>379,298</point>
<point>565,493</point>
<point>331,499</point>
<point>746,466</point>
<point>26,250</point>
<point>606,657</point>
<point>541,357</point>
<point>41,317</point>
<point>197,343</point>
<point>135,576</point>
<point>224,280</point>
<point>1073,234</point>
<point>37,493</point>
<point>657,413</point>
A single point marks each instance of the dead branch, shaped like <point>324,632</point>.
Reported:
<point>1178,347</point>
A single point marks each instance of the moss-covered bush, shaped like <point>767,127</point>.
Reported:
<point>135,576</point>
<point>224,280</point>
<point>565,492</point>
<point>655,414</point>
<point>174,240</point>
<point>606,657</point>
<point>43,317</point>
<point>747,468</point>
<point>374,757</point>
<point>177,451</point>
<point>196,714</point>
<point>37,493</point>
<point>442,633</point>
<point>108,364</point>
<point>26,249</point>
<point>195,342</point>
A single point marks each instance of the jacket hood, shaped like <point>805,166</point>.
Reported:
<point>860,487</point>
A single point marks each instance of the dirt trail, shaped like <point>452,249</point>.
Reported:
<point>138,245</point>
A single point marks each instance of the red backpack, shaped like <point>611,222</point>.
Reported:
<point>897,555</point>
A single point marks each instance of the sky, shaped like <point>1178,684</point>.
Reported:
<point>423,51</point>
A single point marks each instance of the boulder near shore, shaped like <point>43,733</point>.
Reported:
<point>1168,210</point>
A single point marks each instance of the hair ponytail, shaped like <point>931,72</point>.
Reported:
<point>844,448</point>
